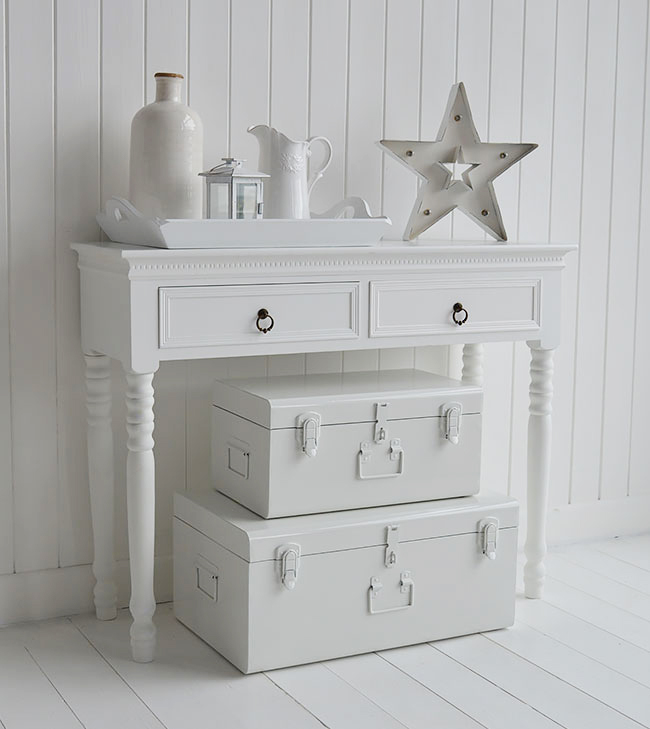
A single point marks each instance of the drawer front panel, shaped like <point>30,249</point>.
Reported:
<point>200,316</point>
<point>411,308</point>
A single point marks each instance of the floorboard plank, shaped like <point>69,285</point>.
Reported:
<point>27,698</point>
<point>598,612</point>
<point>582,636</point>
<point>544,692</point>
<point>606,565</point>
<point>87,683</point>
<point>481,699</point>
<point>189,684</point>
<point>401,696</point>
<point>336,703</point>
<point>604,588</point>
<point>599,681</point>
<point>634,550</point>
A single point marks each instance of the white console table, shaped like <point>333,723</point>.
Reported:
<point>142,306</point>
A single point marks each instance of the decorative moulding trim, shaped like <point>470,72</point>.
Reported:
<point>330,263</point>
<point>143,264</point>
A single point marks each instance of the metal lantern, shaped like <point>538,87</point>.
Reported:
<point>232,193</point>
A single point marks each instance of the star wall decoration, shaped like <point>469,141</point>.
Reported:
<point>447,186</point>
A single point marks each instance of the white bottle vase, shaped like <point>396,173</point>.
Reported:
<point>167,155</point>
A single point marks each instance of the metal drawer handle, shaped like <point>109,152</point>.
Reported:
<point>459,311</point>
<point>263,314</point>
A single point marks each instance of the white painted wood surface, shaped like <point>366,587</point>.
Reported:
<point>554,668</point>
<point>590,119</point>
<point>141,487</point>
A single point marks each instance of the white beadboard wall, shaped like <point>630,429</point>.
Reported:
<point>568,74</point>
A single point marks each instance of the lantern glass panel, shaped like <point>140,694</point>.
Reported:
<point>246,200</point>
<point>219,197</point>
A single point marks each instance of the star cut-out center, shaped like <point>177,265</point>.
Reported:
<point>457,169</point>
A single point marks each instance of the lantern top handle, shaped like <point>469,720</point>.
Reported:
<point>229,167</point>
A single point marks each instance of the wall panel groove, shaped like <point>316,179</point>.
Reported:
<point>570,75</point>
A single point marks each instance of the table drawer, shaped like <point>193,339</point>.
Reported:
<point>411,308</point>
<point>203,316</point>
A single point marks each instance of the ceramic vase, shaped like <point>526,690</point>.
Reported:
<point>167,155</point>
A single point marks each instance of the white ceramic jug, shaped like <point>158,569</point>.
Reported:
<point>286,194</point>
<point>167,155</point>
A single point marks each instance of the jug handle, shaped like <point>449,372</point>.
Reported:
<point>328,158</point>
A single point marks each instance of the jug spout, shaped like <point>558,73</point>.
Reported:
<point>260,131</point>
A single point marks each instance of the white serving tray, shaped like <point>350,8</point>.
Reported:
<point>124,224</point>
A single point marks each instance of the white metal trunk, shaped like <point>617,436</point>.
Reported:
<point>268,594</point>
<point>291,445</point>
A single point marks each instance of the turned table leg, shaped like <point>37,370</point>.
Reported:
<point>539,459</point>
<point>140,486</point>
<point>473,364</point>
<point>101,482</point>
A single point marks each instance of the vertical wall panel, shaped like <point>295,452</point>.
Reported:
<point>594,246</point>
<point>32,292</point>
<point>437,76</point>
<point>249,75</point>
<point>503,124</point>
<point>365,101</point>
<point>534,194</point>
<point>623,247</point>
<point>122,90</point>
<point>77,195</point>
<point>363,359</point>
<point>566,189</point>
<point>6,483</point>
<point>289,77</point>
<point>322,362</point>
<point>401,105</point>
<point>638,482</point>
<point>166,41</point>
<point>327,95</point>
<point>209,74</point>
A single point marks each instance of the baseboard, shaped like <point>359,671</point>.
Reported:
<point>68,591</point>
<point>598,520</point>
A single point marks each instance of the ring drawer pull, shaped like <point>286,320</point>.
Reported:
<point>263,314</point>
<point>460,314</point>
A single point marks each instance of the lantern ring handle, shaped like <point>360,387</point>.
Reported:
<point>460,309</point>
<point>263,314</point>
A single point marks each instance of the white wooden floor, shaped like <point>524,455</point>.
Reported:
<point>579,659</point>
